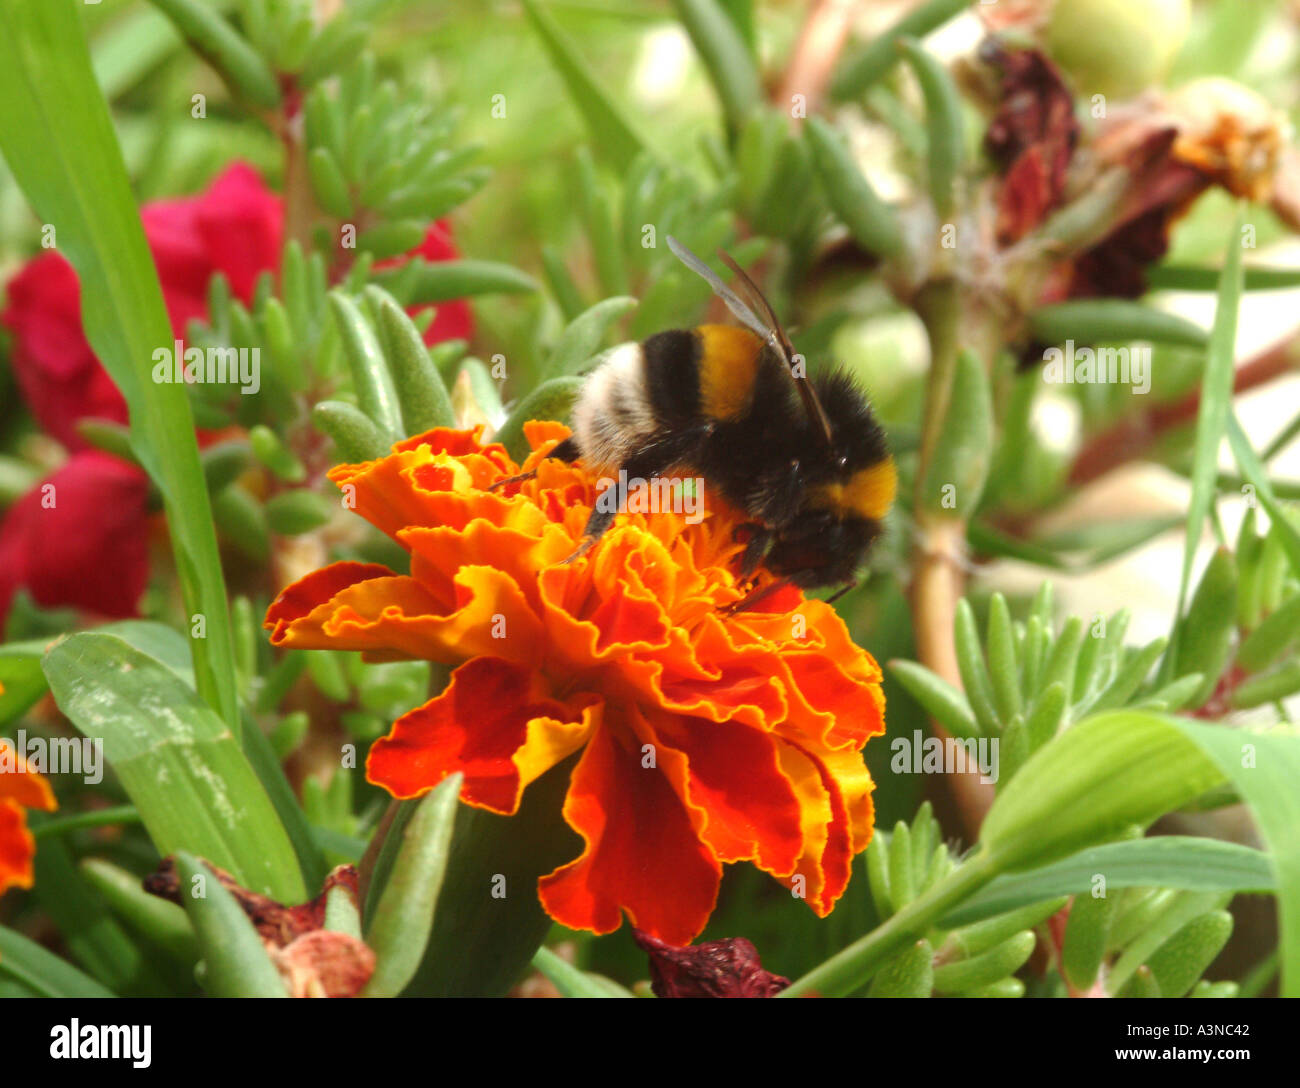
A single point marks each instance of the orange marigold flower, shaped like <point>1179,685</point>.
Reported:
<point>706,737</point>
<point>20,789</point>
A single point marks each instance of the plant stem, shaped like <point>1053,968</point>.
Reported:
<point>938,563</point>
<point>846,971</point>
<point>102,817</point>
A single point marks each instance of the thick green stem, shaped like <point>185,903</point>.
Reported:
<point>852,968</point>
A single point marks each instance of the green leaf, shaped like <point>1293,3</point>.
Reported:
<point>581,338</point>
<point>356,438</point>
<point>943,702</point>
<point>153,919</point>
<point>1252,468</point>
<point>482,942</point>
<point>178,762</point>
<point>1182,959</point>
<point>1004,670</point>
<point>1166,861</point>
<point>988,967</point>
<point>613,133</point>
<point>1211,420</point>
<point>974,673</point>
<point>909,974</point>
<point>550,400</point>
<point>1107,320</point>
<point>1205,637</point>
<point>1191,278</point>
<point>421,392</point>
<point>1086,934</point>
<point>574,982</point>
<point>376,394</point>
<point>864,68</point>
<point>216,41</point>
<point>946,146</point>
<point>58,139</point>
<point>237,963</point>
<point>871,221</point>
<point>726,56</point>
<point>959,467</point>
<point>441,281</point>
<point>42,971</point>
<point>399,928</point>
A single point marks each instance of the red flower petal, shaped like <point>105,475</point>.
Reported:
<point>495,722</point>
<point>642,854</point>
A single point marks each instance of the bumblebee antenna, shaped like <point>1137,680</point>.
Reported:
<point>767,327</point>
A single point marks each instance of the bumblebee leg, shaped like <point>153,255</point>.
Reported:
<point>753,600</point>
<point>755,547</point>
<point>850,584</point>
<point>567,451</point>
<point>646,464</point>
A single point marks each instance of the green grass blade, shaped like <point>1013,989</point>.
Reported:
<point>178,762</point>
<point>58,139</point>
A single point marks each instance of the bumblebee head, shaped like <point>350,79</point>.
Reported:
<point>852,475</point>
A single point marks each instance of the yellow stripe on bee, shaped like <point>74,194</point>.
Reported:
<point>869,492</point>
<point>728,369</point>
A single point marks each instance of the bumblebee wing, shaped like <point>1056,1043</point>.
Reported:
<point>734,303</point>
<point>812,405</point>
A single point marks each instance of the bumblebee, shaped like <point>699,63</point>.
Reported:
<point>803,457</point>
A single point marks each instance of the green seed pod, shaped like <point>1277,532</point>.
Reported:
<point>1117,48</point>
<point>1205,633</point>
<point>1182,959</point>
<point>292,513</point>
<point>988,967</point>
<point>1087,934</point>
<point>909,974</point>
